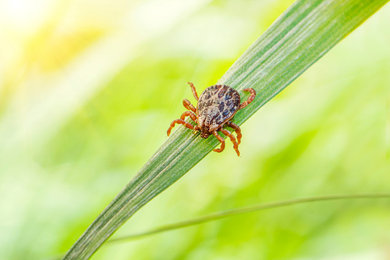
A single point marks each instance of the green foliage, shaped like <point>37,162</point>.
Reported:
<point>304,33</point>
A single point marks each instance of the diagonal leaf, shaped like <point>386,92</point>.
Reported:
<point>303,34</point>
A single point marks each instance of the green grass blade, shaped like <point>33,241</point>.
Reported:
<point>250,209</point>
<point>303,34</point>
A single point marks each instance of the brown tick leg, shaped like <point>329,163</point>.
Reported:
<point>237,129</point>
<point>233,139</point>
<point>220,149</point>
<point>250,98</point>
<point>188,113</point>
<point>187,104</point>
<point>193,90</point>
<point>179,121</point>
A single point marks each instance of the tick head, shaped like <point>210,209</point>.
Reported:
<point>204,134</point>
<point>205,129</point>
<point>202,127</point>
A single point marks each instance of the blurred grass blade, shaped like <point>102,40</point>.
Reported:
<point>239,211</point>
<point>304,33</point>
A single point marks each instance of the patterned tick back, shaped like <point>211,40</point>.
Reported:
<point>216,108</point>
<point>217,104</point>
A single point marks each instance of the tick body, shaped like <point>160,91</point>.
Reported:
<point>216,107</point>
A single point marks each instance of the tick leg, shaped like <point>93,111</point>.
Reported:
<point>220,149</point>
<point>250,98</point>
<point>193,90</point>
<point>233,139</point>
<point>179,121</point>
<point>237,129</point>
<point>188,113</point>
<point>187,104</point>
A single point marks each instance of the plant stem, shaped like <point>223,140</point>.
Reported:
<point>250,209</point>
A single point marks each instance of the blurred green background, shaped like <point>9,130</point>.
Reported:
<point>87,92</point>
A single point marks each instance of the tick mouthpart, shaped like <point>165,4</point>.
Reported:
<point>204,134</point>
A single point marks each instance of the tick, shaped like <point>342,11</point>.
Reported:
<point>216,108</point>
